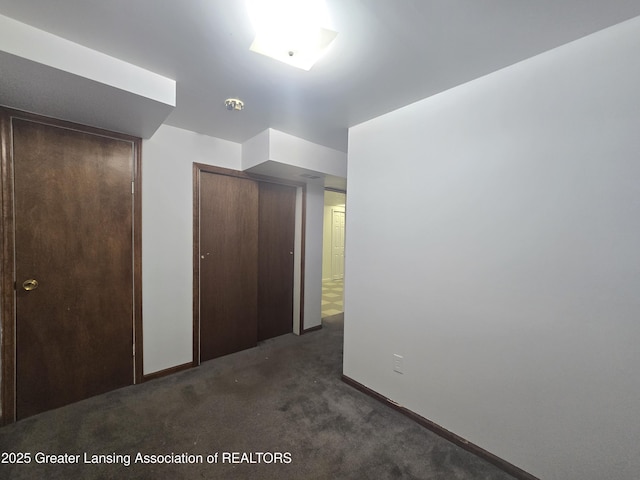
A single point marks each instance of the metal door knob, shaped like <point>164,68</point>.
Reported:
<point>30,284</point>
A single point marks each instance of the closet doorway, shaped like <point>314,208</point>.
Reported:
<point>244,251</point>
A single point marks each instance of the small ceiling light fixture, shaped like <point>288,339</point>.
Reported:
<point>292,31</point>
<point>234,104</point>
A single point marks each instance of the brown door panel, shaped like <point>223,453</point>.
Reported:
<point>228,264</point>
<point>275,265</point>
<point>73,235</point>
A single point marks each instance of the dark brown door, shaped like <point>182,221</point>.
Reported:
<point>275,265</point>
<point>73,236</point>
<point>228,264</point>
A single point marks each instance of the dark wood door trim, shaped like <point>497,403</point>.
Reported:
<point>7,279</point>
<point>138,364</point>
<point>199,168</point>
<point>303,249</point>
<point>240,174</point>
<point>7,282</point>
<point>196,265</point>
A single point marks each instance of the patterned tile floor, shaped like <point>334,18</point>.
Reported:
<point>332,297</point>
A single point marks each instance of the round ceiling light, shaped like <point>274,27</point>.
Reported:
<point>234,104</point>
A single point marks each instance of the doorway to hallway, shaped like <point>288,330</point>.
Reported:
<point>333,253</point>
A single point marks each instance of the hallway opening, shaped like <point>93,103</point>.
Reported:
<point>333,253</point>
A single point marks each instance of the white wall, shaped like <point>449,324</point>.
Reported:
<point>287,149</point>
<point>313,257</point>
<point>511,259</point>
<point>167,239</point>
<point>167,242</point>
<point>75,83</point>
<point>297,262</point>
<point>42,47</point>
<point>255,150</point>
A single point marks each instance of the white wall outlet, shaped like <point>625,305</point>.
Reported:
<point>398,363</point>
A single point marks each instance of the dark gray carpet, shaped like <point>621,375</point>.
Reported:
<point>282,400</point>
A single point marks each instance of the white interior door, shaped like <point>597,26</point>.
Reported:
<point>337,243</point>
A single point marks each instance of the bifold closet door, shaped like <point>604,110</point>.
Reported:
<point>228,264</point>
<point>275,260</point>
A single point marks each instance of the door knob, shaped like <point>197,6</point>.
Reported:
<point>30,284</point>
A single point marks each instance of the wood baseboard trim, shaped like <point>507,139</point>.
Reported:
<point>444,433</point>
<point>312,329</point>
<point>167,371</point>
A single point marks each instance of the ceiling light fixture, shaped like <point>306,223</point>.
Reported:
<point>234,104</point>
<point>292,31</point>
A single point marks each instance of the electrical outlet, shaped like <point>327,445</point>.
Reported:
<point>398,363</point>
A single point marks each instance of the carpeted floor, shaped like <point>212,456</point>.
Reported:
<point>278,411</point>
